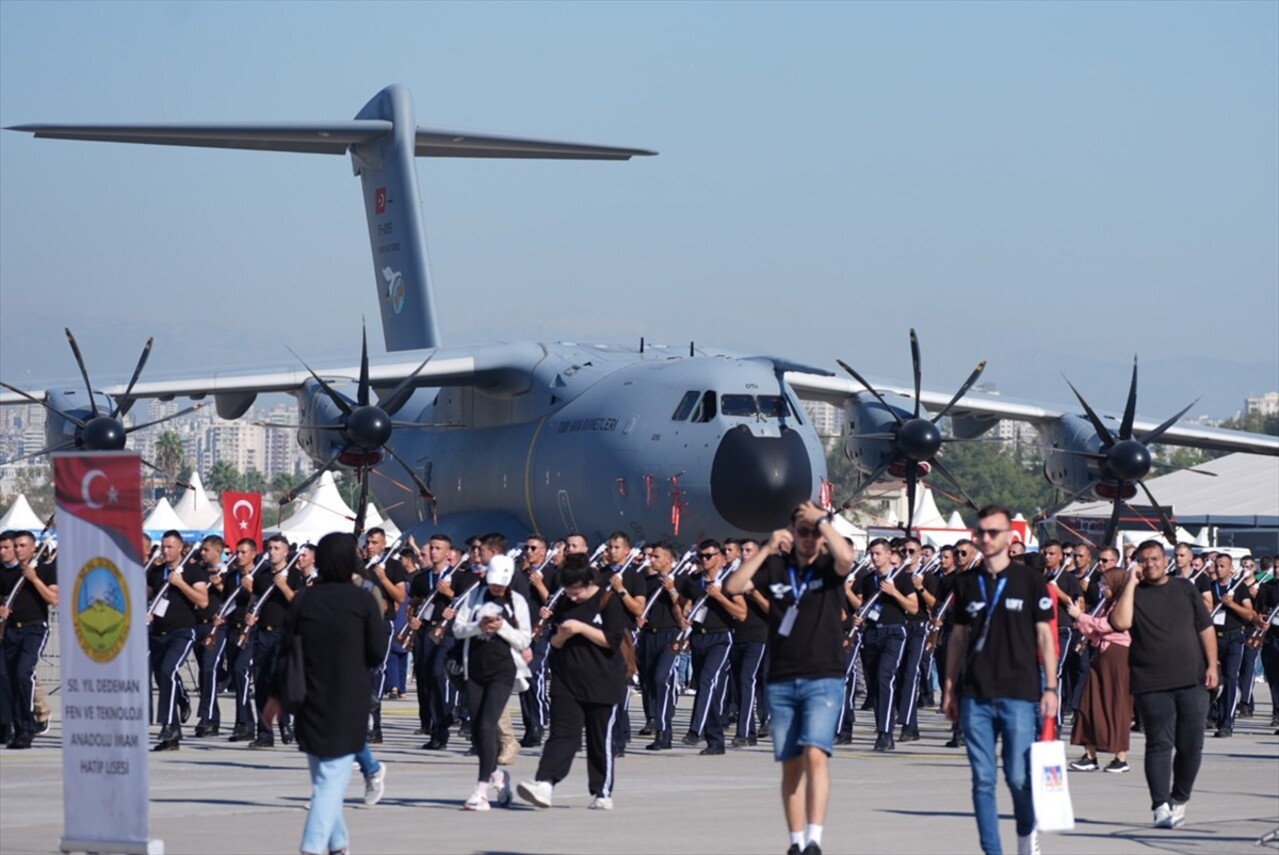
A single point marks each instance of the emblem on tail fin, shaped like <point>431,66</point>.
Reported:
<point>394,288</point>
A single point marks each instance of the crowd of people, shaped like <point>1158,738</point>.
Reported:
<point>787,639</point>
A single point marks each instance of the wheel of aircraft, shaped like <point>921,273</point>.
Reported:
<point>907,445</point>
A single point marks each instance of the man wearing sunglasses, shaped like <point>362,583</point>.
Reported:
<point>1003,615</point>
<point>805,588</point>
<point>713,613</point>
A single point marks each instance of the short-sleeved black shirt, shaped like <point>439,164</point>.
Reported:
<point>1005,607</point>
<point>814,648</point>
<point>885,611</point>
<point>1166,651</point>
<point>583,670</point>
<point>632,581</point>
<point>1227,620</point>
<point>693,588</point>
<point>1267,599</point>
<point>661,615</point>
<point>275,609</point>
<point>216,597</point>
<point>180,612</point>
<point>1068,582</point>
<point>28,606</point>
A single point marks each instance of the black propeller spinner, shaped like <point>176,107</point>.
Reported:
<point>365,429</point>
<point>915,440</point>
<point>101,431</point>
<point>1124,460</point>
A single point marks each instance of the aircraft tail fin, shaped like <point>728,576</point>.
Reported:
<point>382,141</point>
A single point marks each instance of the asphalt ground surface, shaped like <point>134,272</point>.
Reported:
<point>217,797</point>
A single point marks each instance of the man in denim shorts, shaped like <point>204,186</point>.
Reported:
<point>804,585</point>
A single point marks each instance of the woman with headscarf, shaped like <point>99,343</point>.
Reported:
<point>1104,718</point>
<point>342,636</point>
<point>493,625</point>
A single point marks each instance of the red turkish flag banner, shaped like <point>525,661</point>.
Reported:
<point>241,518</point>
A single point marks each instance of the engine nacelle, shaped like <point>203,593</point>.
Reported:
<point>100,433</point>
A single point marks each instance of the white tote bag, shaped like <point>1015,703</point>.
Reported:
<point>1053,810</point>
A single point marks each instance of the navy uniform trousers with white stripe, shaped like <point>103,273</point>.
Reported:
<point>169,650</point>
<point>710,671</point>
<point>19,656</point>
<point>882,652</point>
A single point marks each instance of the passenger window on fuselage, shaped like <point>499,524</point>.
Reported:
<point>685,407</point>
<point>738,405</point>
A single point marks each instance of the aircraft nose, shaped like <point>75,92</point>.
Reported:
<point>757,480</point>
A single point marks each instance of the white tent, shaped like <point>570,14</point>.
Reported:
<point>373,519</point>
<point>195,509</point>
<point>20,517</point>
<point>161,519</point>
<point>320,511</point>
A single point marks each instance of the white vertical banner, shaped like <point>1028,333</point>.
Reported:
<point>103,641</point>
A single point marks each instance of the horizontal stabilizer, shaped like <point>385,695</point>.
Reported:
<point>331,138</point>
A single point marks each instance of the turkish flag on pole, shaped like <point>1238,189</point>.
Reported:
<point>241,518</point>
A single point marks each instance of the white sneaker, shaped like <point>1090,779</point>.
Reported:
<point>1178,815</point>
<point>1028,845</point>
<point>375,786</point>
<point>501,781</point>
<point>601,803</point>
<point>1163,816</point>
<point>536,793</point>
<point>477,801</point>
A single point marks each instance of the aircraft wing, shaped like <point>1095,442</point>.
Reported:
<point>991,408</point>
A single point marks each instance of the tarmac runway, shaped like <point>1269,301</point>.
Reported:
<point>216,797</point>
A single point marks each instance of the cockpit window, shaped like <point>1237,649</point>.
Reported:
<point>738,405</point>
<point>774,406</point>
<point>706,411</point>
<point>686,405</point>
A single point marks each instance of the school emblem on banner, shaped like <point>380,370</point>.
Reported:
<point>100,610</point>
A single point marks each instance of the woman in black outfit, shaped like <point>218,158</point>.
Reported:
<point>343,636</point>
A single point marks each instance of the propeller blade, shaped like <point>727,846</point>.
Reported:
<point>912,477</point>
<point>1107,439</point>
<point>400,394</point>
<point>1171,468</point>
<point>48,450</point>
<point>1072,497</point>
<point>1078,452</point>
<point>963,390</point>
<point>945,473</point>
<point>1159,431</point>
<point>84,372</point>
<point>183,484</point>
<point>1130,408</point>
<point>1112,527</point>
<point>873,436</point>
<point>179,414</point>
<point>914,361</point>
<point>33,399</point>
<point>340,402</point>
<point>315,476</point>
<point>865,485</point>
<point>123,404</point>
<point>362,392</point>
<point>417,482</point>
<point>869,388</point>
<point>364,501</point>
<point>1169,532</point>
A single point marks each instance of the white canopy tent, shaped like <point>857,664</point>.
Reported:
<point>20,517</point>
<point>161,519</point>
<point>195,509</point>
<point>320,511</point>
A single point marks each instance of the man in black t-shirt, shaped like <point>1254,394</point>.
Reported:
<point>389,583</point>
<point>535,703</point>
<point>274,586</point>
<point>888,597</point>
<point>621,575</point>
<point>26,629</point>
<point>1230,605</point>
<point>210,638</point>
<point>1063,583</point>
<point>805,590</point>
<point>1003,630</point>
<point>1267,624</point>
<point>712,614</point>
<point>657,632</point>
<point>438,581</point>
<point>238,585</point>
<point>173,619</point>
<point>1172,660</point>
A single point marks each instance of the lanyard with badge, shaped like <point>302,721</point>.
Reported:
<point>990,609</point>
<point>792,611</point>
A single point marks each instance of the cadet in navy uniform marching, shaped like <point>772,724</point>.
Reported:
<point>535,702</point>
<point>430,656</point>
<point>657,632</point>
<point>711,641</point>
<point>624,578</point>
<point>884,641</point>
<point>210,638</point>
<point>26,630</point>
<point>274,585</point>
<point>173,622</point>
<point>908,673</point>
<point>239,584</point>
<point>1230,605</point>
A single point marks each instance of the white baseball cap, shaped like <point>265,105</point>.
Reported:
<point>501,569</point>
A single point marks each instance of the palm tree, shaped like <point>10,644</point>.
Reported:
<point>170,455</point>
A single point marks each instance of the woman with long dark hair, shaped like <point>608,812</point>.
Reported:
<point>343,635</point>
<point>1104,719</point>
<point>493,625</point>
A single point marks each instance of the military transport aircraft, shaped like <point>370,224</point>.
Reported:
<point>553,437</point>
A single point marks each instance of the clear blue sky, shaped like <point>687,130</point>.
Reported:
<point>1051,186</point>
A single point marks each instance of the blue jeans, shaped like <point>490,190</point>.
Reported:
<point>369,765</point>
<point>325,830</point>
<point>805,712</point>
<point>984,721</point>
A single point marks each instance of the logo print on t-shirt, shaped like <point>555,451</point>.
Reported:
<point>1045,604</point>
<point>1014,605</point>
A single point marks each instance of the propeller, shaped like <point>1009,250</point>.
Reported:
<point>101,431</point>
<point>365,430</point>
<point>916,439</point>
<point>1124,459</point>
